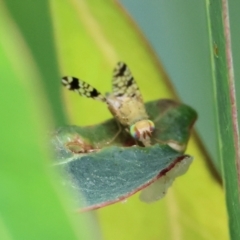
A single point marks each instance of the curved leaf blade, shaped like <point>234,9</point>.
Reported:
<point>31,205</point>
<point>109,174</point>
<point>115,173</point>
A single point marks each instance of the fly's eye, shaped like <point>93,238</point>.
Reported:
<point>133,131</point>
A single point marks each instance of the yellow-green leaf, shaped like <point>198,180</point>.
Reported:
<point>90,38</point>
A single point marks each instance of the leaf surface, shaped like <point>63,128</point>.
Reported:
<point>108,174</point>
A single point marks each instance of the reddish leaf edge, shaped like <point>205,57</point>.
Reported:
<point>122,198</point>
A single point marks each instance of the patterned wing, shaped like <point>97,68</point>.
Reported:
<point>83,88</point>
<point>123,82</point>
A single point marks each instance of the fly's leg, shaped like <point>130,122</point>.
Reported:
<point>116,135</point>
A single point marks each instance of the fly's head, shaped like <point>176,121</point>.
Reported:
<point>142,131</point>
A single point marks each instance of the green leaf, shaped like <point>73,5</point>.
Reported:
<point>115,173</point>
<point>227,123</point>
<point>173,122</point>
<point>31,204</point>
<point>34,22</point>
<point>105,176</point>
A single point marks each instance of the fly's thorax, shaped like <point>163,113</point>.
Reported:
<point>142,131</point>
<point>126,110</point>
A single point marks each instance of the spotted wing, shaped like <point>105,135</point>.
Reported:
<point>123,82</point>
<point>83,88</point>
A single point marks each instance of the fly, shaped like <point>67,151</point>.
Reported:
<point>125,102</point>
